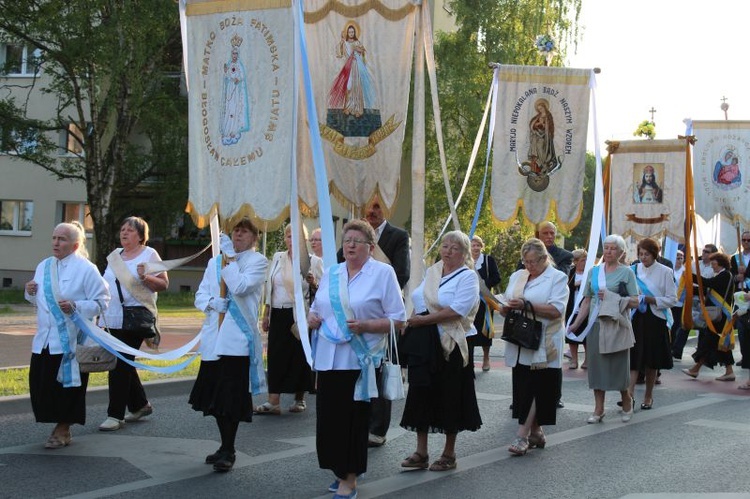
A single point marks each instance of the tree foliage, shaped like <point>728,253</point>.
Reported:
<point>110,68</point>
<point>500,31</point>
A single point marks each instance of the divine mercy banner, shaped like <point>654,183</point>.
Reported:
<point>360,55</point>
<point>240,72</point>
<point>720,168</point>
<point>647,188</point>
<point>539,147</point>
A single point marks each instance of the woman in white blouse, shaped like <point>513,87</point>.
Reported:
<point>65,283</point>
<point>231,349</point>
<point>352,311</point>
<point>537,374</point>
<point>441,396</point>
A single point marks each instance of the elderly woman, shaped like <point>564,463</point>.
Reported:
<point>488,272</point>
<point>651,319</point>
<point>537,374</point>
<point>718,291</point>
<point>125,273</point>
<point>610,284</point>
<point>288,371</point>
<point>353,309</point>
<point>441,396</point>
<point>575,281</point>
<point>231,349</point>
<point>64,283</point>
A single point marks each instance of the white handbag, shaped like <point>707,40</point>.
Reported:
<point>392,384</point>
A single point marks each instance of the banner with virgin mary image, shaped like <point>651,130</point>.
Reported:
<point>647,188</point>
<point>720,165</point>
<point>539,147</point>
<point>360,54</point>
<point>240,73</point>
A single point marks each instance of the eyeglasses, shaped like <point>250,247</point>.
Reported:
<point>314,240</point>
<point>706,251</point>
<point>534,261</point>
<point>350,240</point>
<point>746,240</point>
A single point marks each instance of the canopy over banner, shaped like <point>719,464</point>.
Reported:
<point>721,159</point>
<point>240,73</point>
<point>361,58</point>
<point>539,150</point>
<point>647,188</point>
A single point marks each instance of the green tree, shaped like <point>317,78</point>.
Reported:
<point>110,68</point>
<point>501,31</point>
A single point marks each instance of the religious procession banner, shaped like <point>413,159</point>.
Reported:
<point>539,149</point>
<point>720,165</point>
<point>647,188</point>
<point>360,54</point>
<point>240,73</point>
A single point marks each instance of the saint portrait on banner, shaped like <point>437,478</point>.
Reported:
<point>542,158</point>
<point>726,174</point>
<point>646,187</point>
<point>235,113</point>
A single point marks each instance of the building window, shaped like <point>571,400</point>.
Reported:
<point>18,141</point>
<point>71,140</point>
<point>79,212</point>
<point>20,60</point>
<point>16,217</point>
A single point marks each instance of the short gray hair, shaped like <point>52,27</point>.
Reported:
<point>615,239</point>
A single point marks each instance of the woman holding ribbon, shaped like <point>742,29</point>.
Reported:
<point>441,396</point>
<point>63,284</point>
<point>288,371</point>
<point>357,303</point>
<point>486,268</point>
<point>609,292</point>
<point>652,319</point>
<point>125,273</point>
<point>231,350</point>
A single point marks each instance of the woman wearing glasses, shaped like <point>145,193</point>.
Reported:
<point>537,374</point>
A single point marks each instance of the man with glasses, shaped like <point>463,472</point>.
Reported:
<point>393,249</point>
<point>739,264</point>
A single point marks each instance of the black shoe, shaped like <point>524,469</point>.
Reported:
<point>225,462</point>
<point>212,458</point>
<point>560,404</point>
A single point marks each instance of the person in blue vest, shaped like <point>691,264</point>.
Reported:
<point>63,284</point>
<point>231,351</point>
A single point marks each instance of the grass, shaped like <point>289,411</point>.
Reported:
<point>16,381</point>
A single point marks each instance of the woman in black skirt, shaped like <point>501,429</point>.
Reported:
<point>652,319</point>
<point>441,396</point>
<point>575,281</point>
<point>65,283</point>
<point>354,306</point>
<point>707,352</point>
<point>488,272</point>
<point>231,349</point>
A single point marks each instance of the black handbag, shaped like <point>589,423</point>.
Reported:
<point>138,319</point>
<point>521,327</point>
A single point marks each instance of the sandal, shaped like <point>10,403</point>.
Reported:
<point>416,461</point>
<point>537,440</point>
<point>267,408</point>
<point>58,441</point>
<point>519,446</point>
<point>746,386</point>
<point>444,463</point>
<point>298,406</point>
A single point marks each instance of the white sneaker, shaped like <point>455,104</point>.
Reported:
<point>144,411</point>
<point>375,440</point>
<point>111,424</point>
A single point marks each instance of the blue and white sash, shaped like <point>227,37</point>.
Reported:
<point>366,387</point>
<point>69,374</point>
<point>598,281</point>
<point>643,285</point>
<point>239,313</point>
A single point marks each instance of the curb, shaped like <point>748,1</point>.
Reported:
<point>21,404</point>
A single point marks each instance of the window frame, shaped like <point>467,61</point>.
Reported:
<point>83,212</point>
<point>17,217</point>
<point>27,62</point>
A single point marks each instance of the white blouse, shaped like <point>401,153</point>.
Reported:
<point>458,290</point>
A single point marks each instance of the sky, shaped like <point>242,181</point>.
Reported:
<point>678,56</point>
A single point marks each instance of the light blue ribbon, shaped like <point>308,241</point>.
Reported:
<point>257,376</point>
<point>366,387</point>
<point>642,305</point>
<point>69,374</point>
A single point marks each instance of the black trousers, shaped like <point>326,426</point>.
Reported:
<point>125,387</point>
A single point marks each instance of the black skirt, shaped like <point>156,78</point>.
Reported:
<point>50,401</point>
<point>288,370</point>
<point>707,349</point>
<point>652,348</point>
<point>342,424</point>
<point>441,397</point>
<point>479,339</point>
<point>542,385</point>
<point>222,388</point>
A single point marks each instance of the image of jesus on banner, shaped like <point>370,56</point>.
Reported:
<point>352,90</point>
